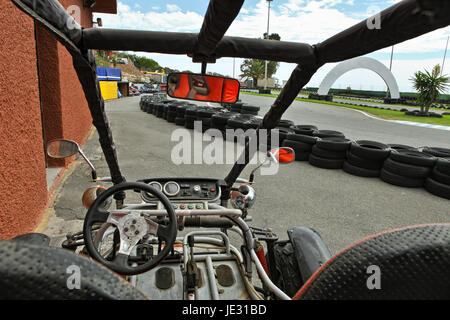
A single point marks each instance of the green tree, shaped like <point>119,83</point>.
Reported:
<point>255,69</point>
<point>143,63</point>
<point>429,86</point>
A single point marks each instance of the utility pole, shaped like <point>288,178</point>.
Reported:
<point>445,56</point>
<point>234,67</point>
<point>268,22</point>
<point>390,69</point>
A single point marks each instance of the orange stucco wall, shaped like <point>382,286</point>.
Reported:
<point>65,110</point>
<point>22,164</point>
<point>40,99</point>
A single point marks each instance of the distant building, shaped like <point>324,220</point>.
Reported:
<point>270,83</point>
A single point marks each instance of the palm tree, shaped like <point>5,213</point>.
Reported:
<point>429,86</point>
<point>254,68</point>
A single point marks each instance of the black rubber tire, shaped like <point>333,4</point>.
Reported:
<point>206,113</point>
<point>156,106</point>
<point>325,163</point>
<point>370,150</point>
<point>287,273</point>
<point>360,172</point>
<point>223,117</point>
<point>172,107</point>
<point>297,146</point>
<point>180,121</point>
<point>283,132</point>
<point>286,123</point>
<point>307,130</point>
<point>253,113</point>
<point>327,134</point>
<point>357,161</point>
<point>334,144</point>
<point>400,181</point>
<point>440,177</point>
<point>438,189</point>
<point>171,116</point>
<point>249,107</point>
<point>437,152</point>
<point>406,170</point>
<point>302,156</point>
<point>191,111</point>
<point>412,157</point>
<point>443,165</point>
<point>238,122</point>
<point>189,122</point>
<point>304,126</point>
<point>302,138</point>
<point>322,153</point>
<point>181,110</point>
<point>401,147</point>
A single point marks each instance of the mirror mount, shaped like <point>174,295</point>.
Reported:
<point>282,155</point>
<point>94,172</point>
<point>204,65</point>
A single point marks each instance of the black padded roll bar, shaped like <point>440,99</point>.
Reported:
<point>185,43</point>
<point>218,18</point>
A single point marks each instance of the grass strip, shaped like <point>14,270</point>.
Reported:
<point>381,113</point>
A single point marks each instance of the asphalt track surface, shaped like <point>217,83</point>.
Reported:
<point>341,207</point>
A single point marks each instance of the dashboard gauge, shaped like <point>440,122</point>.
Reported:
<point>171,188</point>
<point>155,185</point>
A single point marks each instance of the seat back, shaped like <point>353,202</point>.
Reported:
<point>410,263</point>
<point>34,272</point>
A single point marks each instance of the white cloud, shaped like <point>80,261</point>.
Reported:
<point>174,20</point>
<point>172,7</point>
<point>297,20</point>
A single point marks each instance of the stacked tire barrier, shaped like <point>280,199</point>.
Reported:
<point>366,158</point>
<point>438,183</point>
<point>329,152</point>
<point>301,140</point>
<point>302,145</point>
<point>400,165</point>
<point>407,168</point>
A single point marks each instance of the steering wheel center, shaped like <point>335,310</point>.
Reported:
<point>134,226</point>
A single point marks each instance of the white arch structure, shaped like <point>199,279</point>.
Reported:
<point>360,63</point>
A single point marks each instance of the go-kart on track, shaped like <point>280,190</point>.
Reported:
<point>342,207</point>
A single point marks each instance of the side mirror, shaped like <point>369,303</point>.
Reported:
<point>282,155</point>
<point>62,148</point>
<point>199,87</point>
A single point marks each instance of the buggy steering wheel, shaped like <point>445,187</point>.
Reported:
<point>131,226</point>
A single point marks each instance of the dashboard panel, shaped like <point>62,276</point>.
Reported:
<point>185,189</point>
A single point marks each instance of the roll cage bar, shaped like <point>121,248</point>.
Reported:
<point>403,21</point>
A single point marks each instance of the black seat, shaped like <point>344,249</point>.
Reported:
<point>412,263</point>
<point>32,272</point>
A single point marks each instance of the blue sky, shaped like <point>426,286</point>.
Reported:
<point>309,21</point>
